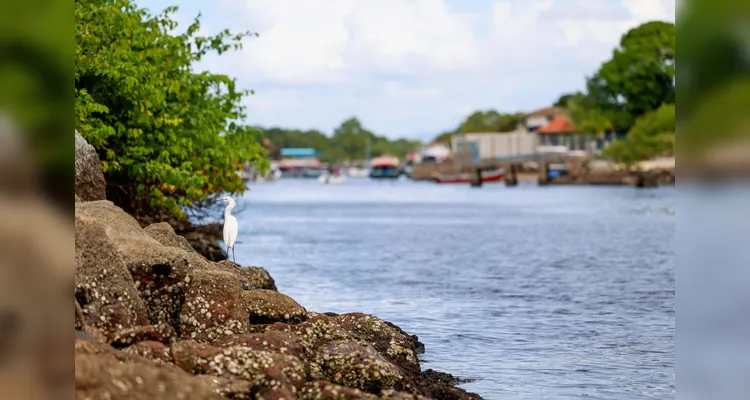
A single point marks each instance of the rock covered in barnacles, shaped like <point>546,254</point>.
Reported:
<point>212,307</point>
<point>152,350</point>
<point>104,289</point>
<point>358,366</point>
<point>101,377</point>
<point>273,341</point>
<point>250,277</point>
<point>237,362</point>
<point>385,337</point>
<point>268,306</point>
<point>163,333</point>
<point>165,234</point>
<point>324,390</point>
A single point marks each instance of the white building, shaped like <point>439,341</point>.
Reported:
<point>493,145</point>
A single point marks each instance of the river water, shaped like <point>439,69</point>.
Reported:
<point>527,292</point>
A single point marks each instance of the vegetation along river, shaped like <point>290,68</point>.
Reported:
<point>527,292</point>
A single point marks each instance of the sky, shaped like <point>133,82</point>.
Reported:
<point>410,68</point>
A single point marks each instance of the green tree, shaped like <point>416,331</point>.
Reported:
<point>34,91</point>
<point>167,136</point>
<point>714,77</point>
<point>652,135</point>
<point>564,100</point>
<point>484,122</point>
<point>640,76</point>
<point>490,121</point>
<point>586,116</point>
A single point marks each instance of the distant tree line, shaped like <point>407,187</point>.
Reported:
<point>348,142</point>
<point>484,121</point>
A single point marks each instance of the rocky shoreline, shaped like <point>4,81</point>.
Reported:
<point>155,319</point>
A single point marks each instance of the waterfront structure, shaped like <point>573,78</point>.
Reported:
<point>562,132</point>
<point>541,117</point>
<point>300,163</point>
<point>297,153</point>
<point>494,144</point>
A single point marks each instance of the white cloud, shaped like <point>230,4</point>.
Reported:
<point>417,66</point>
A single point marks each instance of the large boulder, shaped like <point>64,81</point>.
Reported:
<point>324,390</point>
<point>103,287</point>
<point>159,272</point>
<point>268,306</point>
<point>250,277</point>
<point>273,341</point>
<point>164,234</point>
<point>238,362</point>
<point>387,338</point>
<point>213,306</point>
<point>359,366</point>
<point>315,333</point>
<point>90,183</point>
<point>99,377</point>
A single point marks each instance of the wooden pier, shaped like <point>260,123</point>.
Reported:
<point>476,166</point>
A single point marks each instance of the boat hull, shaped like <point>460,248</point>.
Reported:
<point>384,173</point>
<point>494,176</point>
<point>358,172</point>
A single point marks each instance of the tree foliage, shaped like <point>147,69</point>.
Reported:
<point>484,122</point>
<point>652,135</point>
<point>164,132</point>
<point>34,91</point>
<point>714,76</point>
<point>633,92</point>
<point>640,75</point>
<point>349,142</point>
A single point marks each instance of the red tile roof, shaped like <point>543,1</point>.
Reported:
<point>558,125</point>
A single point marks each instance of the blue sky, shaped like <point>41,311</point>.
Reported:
<point>411,68</point>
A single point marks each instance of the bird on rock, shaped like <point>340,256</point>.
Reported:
<point>231,228</point>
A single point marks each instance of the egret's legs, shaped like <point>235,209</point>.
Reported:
<point>234,259</point>
<point>227,253</point>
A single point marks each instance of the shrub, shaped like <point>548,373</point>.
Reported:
<point>167,135</point>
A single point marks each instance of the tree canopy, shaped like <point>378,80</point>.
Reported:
<point>633,92</point>
<point>484,121</point>
<point>714,76</point>
<point>348,143</point>
<point>168,136</point>
<point>652,135</point>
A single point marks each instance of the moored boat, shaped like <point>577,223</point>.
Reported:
<point>385,167</point>
<point>489,176</point>
<point>358,172</point>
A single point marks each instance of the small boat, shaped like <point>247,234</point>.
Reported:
<point>358,172</point>
<point>488,176</point>
<point>385,167</point>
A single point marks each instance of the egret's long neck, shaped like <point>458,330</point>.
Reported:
<point>228,210</point>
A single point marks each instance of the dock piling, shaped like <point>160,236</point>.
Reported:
<point>511,179</point>
<point>543,173</point>
<point>476,177</point>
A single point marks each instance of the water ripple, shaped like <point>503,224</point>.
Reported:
<point>527,292</point>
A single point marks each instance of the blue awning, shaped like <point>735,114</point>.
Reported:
<point>298,152</point>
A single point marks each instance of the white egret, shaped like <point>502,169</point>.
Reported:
<point>231,228</point>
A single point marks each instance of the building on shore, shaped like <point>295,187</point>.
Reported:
<point>541,117</point>
<point>541,130</point>
<point>300,162</point>
<point>493,144</point>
